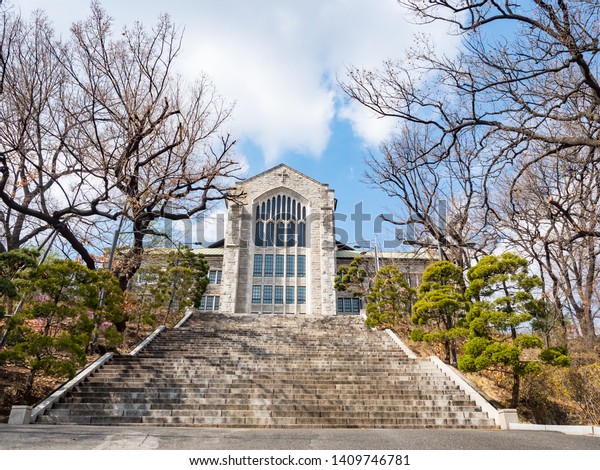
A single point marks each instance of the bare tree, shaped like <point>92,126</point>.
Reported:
<point>101,129</point>
<point>150,142</point>
<point>528,100</point>
<point>543,215</point>
<point>32,134</point>
<point>441,199</point>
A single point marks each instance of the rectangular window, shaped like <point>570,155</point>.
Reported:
<point>301,265</point>
<point>217,302</point>
<point>291,262</point>
<point>258,265</point>
<point>268,266</point>
<point>209,302</point>
<point>255,294</point>
<point>279,265</point>
<point>289,295</point>
<point>340,305</point>
<point>356,305</point>
<point>219,276</point>
<point>267,294</point>
<point>348,305</point>
<point>301,294</point>
<point>212,275</point>
<point>203,303</point>
<point>278,294</point>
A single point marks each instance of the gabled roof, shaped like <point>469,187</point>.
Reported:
<point>283,166</point>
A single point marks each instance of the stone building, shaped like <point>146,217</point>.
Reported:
<point>279,254</point>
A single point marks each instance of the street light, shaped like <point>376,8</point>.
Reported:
<point>375,252</point>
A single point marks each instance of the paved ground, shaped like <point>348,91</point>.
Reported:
<point>46,437</point>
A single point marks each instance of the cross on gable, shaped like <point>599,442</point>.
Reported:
<point>283,175</point>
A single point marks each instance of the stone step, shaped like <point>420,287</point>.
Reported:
<point>309,407</point>
<point>275,422</point>
<point>269,371</point>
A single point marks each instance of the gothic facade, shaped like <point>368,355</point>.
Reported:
<point>279,254</point>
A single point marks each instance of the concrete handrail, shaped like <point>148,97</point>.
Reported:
<point>502,418</point>
<point>401,344</point>
<point>86,372</point>
<point>62,390</point>
<point>147,341</point>
<point>188,313</point>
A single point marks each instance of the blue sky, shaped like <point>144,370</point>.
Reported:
<point>278,61</point>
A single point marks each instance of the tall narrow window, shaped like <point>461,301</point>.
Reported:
<point>278,214</point>
<point>289,209</point>
<point>278,265</point>
<point>340,307</point>
<point>290,261</point>
<point>212,276</point>
<point>291,234</point>
<point>301,265</point>
<point>259,234</point>
<point>209,302</point>
<point>280,234</point>
<point>267,294</point>
<point>289,294</point>
<point>268,266</point>
<point>301,295</point>
<point>270,234</point>
<point>356,305</point>
<point>269,209</point>
<point>301,234</point>
<point>219,277</point>
<point>278,294</point>
<point>202,303</point>
<point>217,302</point>
<point>256,294</point>
<point>258,265</point>
<point>348,305</point>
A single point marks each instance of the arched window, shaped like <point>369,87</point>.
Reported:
<point>288,222</point>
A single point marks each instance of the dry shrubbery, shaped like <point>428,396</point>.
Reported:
<point>566,395</point>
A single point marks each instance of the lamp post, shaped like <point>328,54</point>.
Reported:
<point>375,251</point>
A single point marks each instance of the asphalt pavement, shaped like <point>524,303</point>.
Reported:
<point>68,437</point>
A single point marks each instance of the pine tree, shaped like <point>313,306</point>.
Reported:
<point>390,298</point>
<point>441,307</point>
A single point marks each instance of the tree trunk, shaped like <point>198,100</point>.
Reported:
<point>514,400</point>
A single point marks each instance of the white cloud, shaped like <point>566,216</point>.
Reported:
<point>366,124</point>
<point>278,59</point>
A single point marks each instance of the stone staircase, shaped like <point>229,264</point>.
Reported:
<point>269,371</point>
